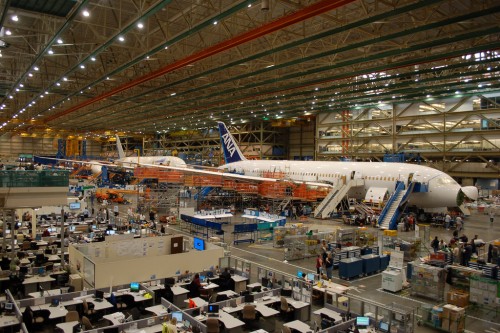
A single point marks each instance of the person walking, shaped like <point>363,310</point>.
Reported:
<point>319,264</point>
<point>435,244</point>
<point>447,220</point>
<point>492,215</point>
<point>329,266</point>
<point>459,223</point>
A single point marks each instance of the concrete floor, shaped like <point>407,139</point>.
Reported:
<point>478,320</point>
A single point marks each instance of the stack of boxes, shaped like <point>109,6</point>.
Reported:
<point>458,298</point>
<point>484,291</point>
<point>453,318</point>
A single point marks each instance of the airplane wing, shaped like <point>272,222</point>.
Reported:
<point>207,172</point>
<point>230,175</point>
<point>100,163</point>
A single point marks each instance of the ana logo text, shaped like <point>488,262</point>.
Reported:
<point>229,144</point>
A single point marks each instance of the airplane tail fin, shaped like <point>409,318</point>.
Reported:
<point>121,153</point>
<point>232,152</point>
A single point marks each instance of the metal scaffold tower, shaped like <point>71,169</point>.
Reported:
<point>162,198</point>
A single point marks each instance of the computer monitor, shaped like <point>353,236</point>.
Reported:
<point>134,286</point>
<point>187,324</point>
<point>94,227</point>
<point>72,228</point>
<point>41,270</point>
<point>177,315</point>
<point>310,276</point>
<point>74,205</point>
<point>213,308</point>
<point>362,321</point>
<point>202,278</point>
<point>23,269</point>
<point>54,302</point>
<point>38,237</point>
<point>110,232</point>
<point>286,292</point>
<point>249,298</point>
<point>299,274</point>
<point>210,274</point>
<point>49,229</point>
<point>99,294</point>
<point>383,327</point>
<point>256,289</point>
<point>198,244</point>
<point>9,306</point>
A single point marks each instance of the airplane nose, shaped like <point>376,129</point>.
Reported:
<point>471,192</point>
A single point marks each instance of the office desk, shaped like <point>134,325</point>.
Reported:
<point>99,306</point>
<point>30,284</point>
<point>198,301</point>
<point>67,327</point>
<point>228,293</point>
<point>138,296</point>
<point>230,322</point>
<point>299,326</point>
<point>239,283</point>
<point>55,311</point>
<point>252,285</point>
<point>115,318</point>
<point>52,292</point>
<point>209,286</point>
<point>330,313</point>
<point>157,309</point>
<point>180,295</point>
<point>301,309</point>
<point>53,257</point>
<point>8,321</point>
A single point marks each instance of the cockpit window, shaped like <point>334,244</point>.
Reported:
<point>445,180</point>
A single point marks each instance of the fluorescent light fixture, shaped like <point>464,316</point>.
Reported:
<point>59,41</point>
<point>14,18</point>
<point>121,38</point>
<point>86,13</point>
<point>140,25</point>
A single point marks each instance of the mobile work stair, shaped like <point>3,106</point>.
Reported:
<point>364,209</point>
<point>203,193</point>
<point>338,192</point>
<point>395,206</point>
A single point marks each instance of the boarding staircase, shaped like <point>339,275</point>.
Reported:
<point>203,192</point>
<point>338,192</point>
<point>395,206</point>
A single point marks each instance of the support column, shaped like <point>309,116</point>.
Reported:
<point>62,237</point>
<point>33,224</point>
<point>4,238</point>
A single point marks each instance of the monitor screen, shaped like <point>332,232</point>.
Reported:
<point>299,274</point>
<point>187,324</point>
<point>74,205</point>
<point>99,294</point>
<point>310,276</point>
<point>362,321</point>
<point>177,315</point>
<point>383,326</point>
<point>249,298</point>
<point>54,302</point>
<point>49,229</point>
<point>23,269</point>
<point>110,232</point>
<point>94,226</point>
<point>202,278</point>
<point>212,308</point>
<point>286,292</point>
<point>72,228</point>
<point>134,286</point>
<point>198,244</point>
<point>41,271</point>
<point>9,306</point>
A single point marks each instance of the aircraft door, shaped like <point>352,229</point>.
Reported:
<point>410,179</point>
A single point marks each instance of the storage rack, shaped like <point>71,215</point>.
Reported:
<point>281,232</point>
<point>428,281</point>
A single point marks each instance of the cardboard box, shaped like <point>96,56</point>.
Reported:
<point>445,324</point>
<point>458,298</point>
<point>390,232</point>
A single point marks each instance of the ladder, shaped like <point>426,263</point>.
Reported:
<point>338,192</point>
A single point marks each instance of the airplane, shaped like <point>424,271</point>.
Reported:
<point>129,162</point>
<point>442,191</point>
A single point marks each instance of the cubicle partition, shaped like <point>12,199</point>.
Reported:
<point>12,323</point>
<point>120,262</point>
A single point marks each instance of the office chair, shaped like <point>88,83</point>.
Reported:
<point>86,322</point>
<point>286,329</point>
<point>249,314</point>
<point>169,281</point>
<point>40,317</point>
<point>213,325</point>
<point>72,316</point>
<point>285,309</point>
<point>88,308</point>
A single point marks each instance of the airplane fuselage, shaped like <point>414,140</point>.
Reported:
<point>442,189</point>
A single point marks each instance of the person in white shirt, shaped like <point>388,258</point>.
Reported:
<point>459,222</point>
<point>447,220</point>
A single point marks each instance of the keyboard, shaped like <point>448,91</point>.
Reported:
<point>98,299</point>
